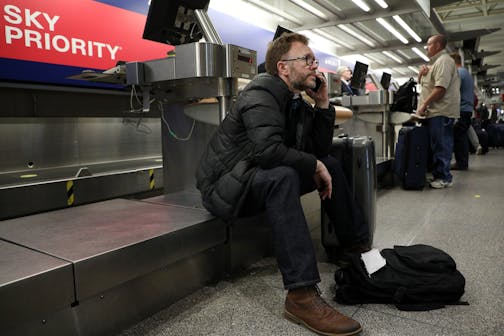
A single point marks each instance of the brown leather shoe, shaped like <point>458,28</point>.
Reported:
<point>305,306</point>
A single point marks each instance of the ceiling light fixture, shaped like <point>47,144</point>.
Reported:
<point>329,5</point>
<point>410,31</point>
<point>392,30</point>
<point>332,39</point>
<point>374,59</point>
<point>327,36</point>
<point>362,5</point>
<point>319,42</point>
<point>310,9</point>
<point>413,69</point>
<point>356,35</point>
<point>394,57</point>
<point>403,54</point>
<point>400,72</point>
<point>381,3</point>
<point>421,54</point>
<point>370,32</point>
<point>264,7</point>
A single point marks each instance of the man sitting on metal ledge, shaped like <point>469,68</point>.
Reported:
<point>272,148</point>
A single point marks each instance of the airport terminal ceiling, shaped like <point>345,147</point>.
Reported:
<point>476,25</point>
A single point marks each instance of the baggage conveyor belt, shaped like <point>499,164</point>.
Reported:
<point>63,272</point>
<point>39,190</point>
<point>97,268</point>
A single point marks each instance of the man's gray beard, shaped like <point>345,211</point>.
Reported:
<point>301,86</point>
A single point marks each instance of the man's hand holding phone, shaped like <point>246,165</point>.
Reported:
<point>319,92</point>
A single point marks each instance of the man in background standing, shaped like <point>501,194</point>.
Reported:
<point>439,103</point>
<point>460,138</point>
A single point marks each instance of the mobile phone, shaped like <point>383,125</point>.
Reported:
<point>318,82</point>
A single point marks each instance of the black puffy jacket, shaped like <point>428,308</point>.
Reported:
<point>258,132</point>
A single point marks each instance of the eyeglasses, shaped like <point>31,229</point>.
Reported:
<point>308,59</point>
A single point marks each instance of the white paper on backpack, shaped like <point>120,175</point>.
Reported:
<point>373,261</point>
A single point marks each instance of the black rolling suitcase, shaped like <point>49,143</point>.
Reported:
<point>495,135</point>
<point>411,156</point>
<point>357,155</point>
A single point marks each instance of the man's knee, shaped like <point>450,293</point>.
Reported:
<point>281,175</point>
<point>284,173</point>
<point>272,183</point>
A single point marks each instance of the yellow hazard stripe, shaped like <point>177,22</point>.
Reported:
<point>152,183</point>
<point>70,192</point>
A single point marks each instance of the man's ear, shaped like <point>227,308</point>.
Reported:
<point>282,68</point>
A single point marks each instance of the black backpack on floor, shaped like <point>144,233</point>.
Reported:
<point>405,98</point>
<point>415,278</point>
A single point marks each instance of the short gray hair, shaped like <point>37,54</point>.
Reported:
<point>342,69</point>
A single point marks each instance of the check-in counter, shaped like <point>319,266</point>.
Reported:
<point>374,108</point>
<point>207,111</point>
<point>372,100</point>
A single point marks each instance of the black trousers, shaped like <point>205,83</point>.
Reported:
<point>277,192</point>
<point>461,140</point>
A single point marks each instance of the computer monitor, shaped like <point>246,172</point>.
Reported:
<point>358,81</point>
<point>385,80</point>
<point>279,31</point>
<point>173,21</point>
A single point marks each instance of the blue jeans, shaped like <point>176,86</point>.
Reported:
<point>441,145</point>
<point>277,192</point>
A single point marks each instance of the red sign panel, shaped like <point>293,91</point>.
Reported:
<point>81,33</point>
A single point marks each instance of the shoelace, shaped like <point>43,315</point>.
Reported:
<point>319,302</point>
